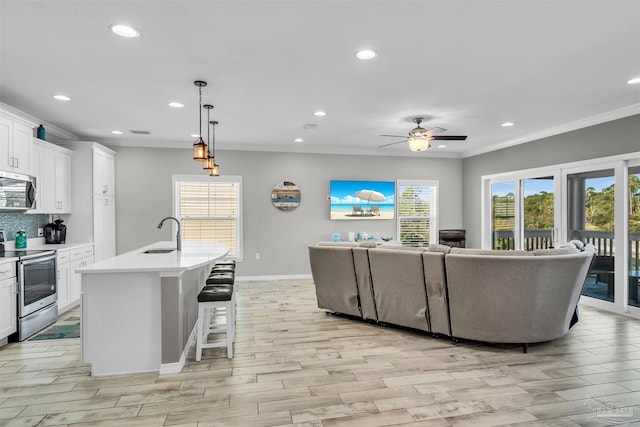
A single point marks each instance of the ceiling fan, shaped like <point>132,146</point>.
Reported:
<point>419,137</point>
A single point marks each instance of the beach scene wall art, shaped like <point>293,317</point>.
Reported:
<point>362,199</point>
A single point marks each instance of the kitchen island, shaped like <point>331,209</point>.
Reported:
<point>139,309</point>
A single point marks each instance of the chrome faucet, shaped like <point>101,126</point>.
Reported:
<point>179,242</point>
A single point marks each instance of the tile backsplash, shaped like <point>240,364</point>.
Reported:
<point>12,222</point>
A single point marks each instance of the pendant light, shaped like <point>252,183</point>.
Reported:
<point>215,168</point>
<point>199,147</point>
<point>209,161</point>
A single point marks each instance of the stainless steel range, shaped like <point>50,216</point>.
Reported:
<point>37,290</point>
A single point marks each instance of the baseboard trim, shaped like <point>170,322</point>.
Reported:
<point>275,277</point>
<point>176,367</point>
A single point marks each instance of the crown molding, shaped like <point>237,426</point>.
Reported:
<point>14,113</point>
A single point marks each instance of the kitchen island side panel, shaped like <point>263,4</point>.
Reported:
<point>121,316</point>
<point>180,311</point>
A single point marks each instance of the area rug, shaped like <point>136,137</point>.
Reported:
<point>58,332</point>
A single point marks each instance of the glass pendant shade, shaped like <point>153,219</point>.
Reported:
<point>209,163</point>
<point>418,143</point>
<point>199,150</point>
<point>215,171</point>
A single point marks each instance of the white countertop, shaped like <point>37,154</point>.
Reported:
<point>191,256</point>
<point>57,246</point>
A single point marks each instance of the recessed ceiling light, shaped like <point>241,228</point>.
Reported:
<point>61,97</point>
<point>442,146</point>
<point>116,132</point>
<point>195,135</point>
<point>320,113</point>
<point>366,54</point>
<point>176,105</point>
<point>634,81</point>
<point>124,31</point>
<point>298,140</point>
<point>507,124</point>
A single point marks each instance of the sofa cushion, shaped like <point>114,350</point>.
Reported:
<point>347,244</point>
<point>577,243</point>
<point>368,244</point>
<point>470,251</point>
<point>562,250</point>
<point>402,248</point>
<point>439,248</point>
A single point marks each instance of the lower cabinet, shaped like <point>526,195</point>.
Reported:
<point>8,300</point>
<point>69,282</point>
<point>63,281</point>
<point>79,258</point>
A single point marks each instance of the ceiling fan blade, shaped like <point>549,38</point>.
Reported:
<point>392,143</point>
<point>396,136</point>
<point>449,137</point>
<point>435,131</point>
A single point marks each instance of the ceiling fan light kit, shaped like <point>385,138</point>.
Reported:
<point>418,143</point>
<point>419,137</point>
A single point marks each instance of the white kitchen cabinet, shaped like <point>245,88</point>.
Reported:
<point>103,173</point>
<point>52,168</point>
<point>15,145</point>
<point>8,300</point>
<point>104,220</point>
<point>93,175</point>
<point>64,299</point>
<point>79,257</point>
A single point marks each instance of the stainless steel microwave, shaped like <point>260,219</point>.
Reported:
<point>17,192</point>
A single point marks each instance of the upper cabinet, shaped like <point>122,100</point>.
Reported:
<point>15,145</point>
<point>103,173</point>
<point>93,174</point>
<point>52,169</point>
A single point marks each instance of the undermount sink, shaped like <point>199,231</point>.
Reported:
<point>158,251</point>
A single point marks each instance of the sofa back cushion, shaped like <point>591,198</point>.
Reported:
<point>439,248</point>
<point>398,282</point>
<point>334,277</point>
<point>470,251</point>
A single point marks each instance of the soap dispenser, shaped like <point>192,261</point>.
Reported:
<point>21,239</point>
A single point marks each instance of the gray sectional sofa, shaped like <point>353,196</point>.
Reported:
<point>484,295</point>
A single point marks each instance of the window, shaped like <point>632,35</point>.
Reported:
<point>417,212</point>
<point>210,209</point>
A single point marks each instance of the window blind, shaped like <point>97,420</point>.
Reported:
<point>210,211</point>
<point>417,212</point>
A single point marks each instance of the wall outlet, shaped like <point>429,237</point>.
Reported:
<point>257,255</point>
<point>40,232</point>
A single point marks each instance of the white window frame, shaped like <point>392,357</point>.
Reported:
<point>434,213</point>
<point>618,163</point>
<point>206,178</point>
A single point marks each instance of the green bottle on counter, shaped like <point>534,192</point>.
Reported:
<point>21,239</point>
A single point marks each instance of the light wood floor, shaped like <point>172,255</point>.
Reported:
<point>295,365</point>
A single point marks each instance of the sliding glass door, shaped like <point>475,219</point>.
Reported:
<point>538,213</point>
<point>503,215</point>
<point>523,213</point>
<point>594,201</point>
<point>633,240</point>
<point>591,219</point>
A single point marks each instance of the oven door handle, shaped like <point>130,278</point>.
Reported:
<point>38,259</point>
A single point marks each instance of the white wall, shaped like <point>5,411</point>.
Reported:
<point>143,188</point>
<point>615,137</point>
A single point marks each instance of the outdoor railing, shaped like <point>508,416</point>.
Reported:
<point>543,239</point>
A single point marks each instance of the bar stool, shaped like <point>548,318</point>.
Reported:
<point>223,269</point>
<point>221,278</point>
<point>212,300</point>
<point>226,262</point>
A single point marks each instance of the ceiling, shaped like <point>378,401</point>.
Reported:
<point>467,66</point>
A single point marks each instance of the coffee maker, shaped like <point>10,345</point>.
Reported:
<point>55,232</point>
